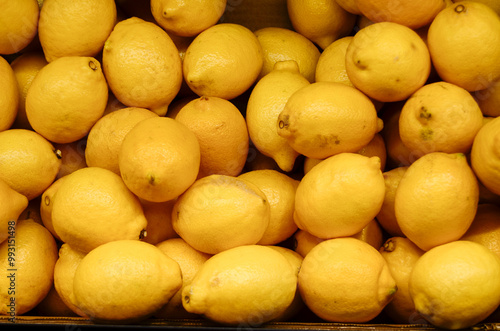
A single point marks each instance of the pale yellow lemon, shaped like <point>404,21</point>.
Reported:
<point>340,195</point>
<point>93,206</point>
<point>440,117</point>
<point>265,103</point>
<point>401,254</point>
<point>223,61</point>
<point>325,118</point>
<point>187,18</point>
<point>29,163</point>
<point>142,65</point>
<point>19,25</point>
<point>66,98</point>
<point>279,189</point>
<point>250,284</point>
<point>29,277</point>
<point>159,159</point>
<point>190,261</point>
<point>456,285</point>
<point>485,228</point>
<point>485,155</point>
<point>9,101</point>
<point>345,280</point>
<point>125,281</point>
<point>14,203</point>
<point>47,204</point>
<point>322,21</point>
<point>387,61</point>
<point>106,136</point>
<point>222,134</point>
<point>436,199</point>
<point>331,62</point>
<point>387,215</point>
<point>493,4</point>
<point>279,44</point>
<point>462,32</point>
<point>75,28</point>
<point>239,213</point>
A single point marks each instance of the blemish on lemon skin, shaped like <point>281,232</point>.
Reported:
<point>460,9</point>
<point>424,115</point>
<point>426,134</point>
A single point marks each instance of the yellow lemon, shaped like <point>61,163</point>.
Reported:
<point>142,65</point>
<point>387,214</point>
<point>280,190</point>
<point>493,4</point>
<point>436,199</point>
<point>93,206</point>
<point>245,285</point>
<point>485,155</point>
<point>387,61</point>
<point>159,217</point>
<point>19,25</point>
<point>9,101</point>
<point>408,13</point>
<point>456,285</point>
<point>13,205</point>
<point>489,100</point>
<point>72,156</point>
<point>440,117</point>
<point>222,134</point>
<point>349,5</point>
<point>401,254</point>
<point>66,98</point>
<point>325,118</point>
<point>331,62</point>
<point>46,206</point>
<point>125,281</point>
<point>27,262</point>
<point>266,101</point>
<point>280,44</point>
<point>239,213</point>
<point>190,261</point>
<point>52,305</point>
<point>465,35</point>
<point>187,18</point>
<point>485,228</point>
<point>159,159</point>
<point>345,280</point>
<point>28,162</point>
<point>223,61</point>
<point>106,136</point>
<point>321,21</point>
<point>340,195</point>
<point>64,273</point>
<point>75,28</point>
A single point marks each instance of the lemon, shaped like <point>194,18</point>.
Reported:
<point>93,206</point>
<point>46,206</point>
<point>75,28</point>
<point>142,65</point>
<point>280,44</point>
<point>321,21</point>
<point>239,213</point>
<point>387,61</point>
<point>401,254</point>
<point>29,277</point>
<point>460,35</point>
<point>19,25</point>
<point>436,199</point>
<point>72,156</point>
<point>9,102</point>
<point>66,98</point>
<point>159,159</point>
<point>246,285</point>
<point>28,162</point>
<point>485,228</point>
<point>106,136</point>
<point>222,134</point>
<point>325,118</point>
<point>387,214</point>
<point>187,18</point>
<point>190,261</point>
<point>14,203</point>
<point>456,285</point>
<point>223,61</point>
<point>64,273</point>
<point>265,103</point>
<point>125,281</point>
<point>345,280</point>
<point>340,195</point>
<point>331,63</point>
<point>52,305</point>
<point>159,217</point>
<point>280,191</point>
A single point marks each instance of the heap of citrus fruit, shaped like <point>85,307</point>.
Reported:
<point>250,162</point>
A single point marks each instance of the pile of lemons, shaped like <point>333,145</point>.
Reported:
<point>250,162</point>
